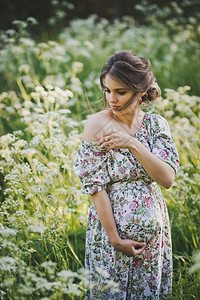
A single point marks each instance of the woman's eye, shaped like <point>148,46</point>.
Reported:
<point>118,92</point>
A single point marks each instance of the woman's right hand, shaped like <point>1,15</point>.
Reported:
<point>130,247</point>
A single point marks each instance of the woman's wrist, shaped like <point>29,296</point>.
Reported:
<point>132,144</point>
<point>115,240</point>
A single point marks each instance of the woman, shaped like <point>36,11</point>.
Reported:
<point>124,154</point>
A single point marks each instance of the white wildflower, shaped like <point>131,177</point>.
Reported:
<point>25,112</point>
<point>54,2</point>
<point>54,80</point>
<point>43,285</point>
<point>62,191</point>
<point>17,50</point>
<point>49,87</point>
<point>47,264</point>
<point>89,44</point>
<point>72,289</point>
<point>7,139</point>
<point>36,50</point>
<point>52,164</point>
<point>36,140</point>
<point>19,192</point>
<point>20,143</point>
<point>71,123</point>
<point>24,68</point>
<point>27,42</point>
<point>69,93</point>
<point>51,99</point>
<point>26,288</point>
<point>7,263</point>
<point>64,111</point>
<point>19,23</point>
<point>174,47</point>
<point>71,210</point>
<point>66,166</point>
<point>60,92</point>
<point>66,274</point>
<point>2,293</point>
<point>102,272</point>
<point>182,90</point>
<point>5,244</point>
<point>8,190</point>
<point>77,66</point>
<point>52,43</point>
<point>59,50</point>
<point>76,85</point>
<point>43,45</point>
<point>11,32</point>
<point>32,21</point>
<point>29,196</point>
<point>29,152</point>
<point>37,228</point>
<point>8,231</point>
<point>44,94</point>
<point>39,89</point>
<point>82,218</point>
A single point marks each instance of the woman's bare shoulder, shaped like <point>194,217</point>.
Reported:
<point>95,125</point>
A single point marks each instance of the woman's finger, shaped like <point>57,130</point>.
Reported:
<point>103,140</point>
<point>139,251</point>
<point>139,244</point>
<point>107,142</point>
<point>107,137</point>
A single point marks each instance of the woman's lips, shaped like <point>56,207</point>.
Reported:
<point>115,107</point>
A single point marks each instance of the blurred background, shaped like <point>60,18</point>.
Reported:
<point>51,55</point>
<point>166,32</point>
<point>45,11</point>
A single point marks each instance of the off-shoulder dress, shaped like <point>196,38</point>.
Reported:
<point>140,214</point>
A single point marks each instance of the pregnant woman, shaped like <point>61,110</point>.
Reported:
<point>124,155</point>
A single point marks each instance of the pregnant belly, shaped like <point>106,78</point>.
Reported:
<point>137,213</point>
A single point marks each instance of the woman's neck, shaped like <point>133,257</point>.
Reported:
<point>132,118</point>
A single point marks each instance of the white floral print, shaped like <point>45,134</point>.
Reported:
<point>140,214</point>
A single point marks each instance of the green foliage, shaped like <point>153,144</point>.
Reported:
<point>43,103</point>
<point>75,59</point>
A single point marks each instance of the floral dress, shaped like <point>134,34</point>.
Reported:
<point>140,214</point>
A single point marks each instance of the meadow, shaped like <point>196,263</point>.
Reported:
<point>47,90</point>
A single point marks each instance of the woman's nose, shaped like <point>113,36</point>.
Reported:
<point>112,98</point>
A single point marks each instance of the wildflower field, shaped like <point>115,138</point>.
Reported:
<point>47,90</point>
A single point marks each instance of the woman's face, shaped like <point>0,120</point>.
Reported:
<point>118,95</point>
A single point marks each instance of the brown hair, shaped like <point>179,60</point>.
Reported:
<point>132,71</point>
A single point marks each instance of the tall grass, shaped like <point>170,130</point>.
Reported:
<point>183,114</point>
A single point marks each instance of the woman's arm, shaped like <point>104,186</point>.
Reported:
<point>104,210</point>
<point>93,130</point>
<point>157,169</point>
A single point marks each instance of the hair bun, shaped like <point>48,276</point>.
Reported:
<point>152,93</point>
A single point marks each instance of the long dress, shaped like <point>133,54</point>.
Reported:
<point>140,214</point>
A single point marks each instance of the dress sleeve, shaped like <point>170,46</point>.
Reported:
<point>90,165</point>
<point>163,146</point>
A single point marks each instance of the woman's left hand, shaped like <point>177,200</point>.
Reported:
<point>118,139</point>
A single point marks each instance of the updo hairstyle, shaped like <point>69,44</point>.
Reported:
<point>132,71</point>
